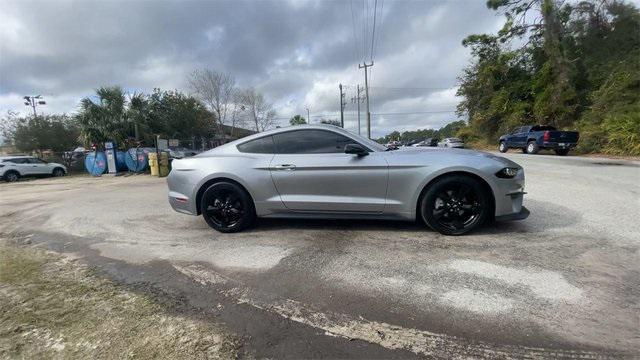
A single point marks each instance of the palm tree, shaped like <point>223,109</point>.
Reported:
<point>104,117</point>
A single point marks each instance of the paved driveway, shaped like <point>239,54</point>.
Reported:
<point>566,281</point>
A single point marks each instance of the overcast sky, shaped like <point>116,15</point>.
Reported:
<point>295,52</point>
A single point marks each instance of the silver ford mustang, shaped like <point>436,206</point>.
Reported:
<point>315,171</point>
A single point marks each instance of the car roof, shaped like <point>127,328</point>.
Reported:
<point>4,157</point>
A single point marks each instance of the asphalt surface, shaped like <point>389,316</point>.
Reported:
<point>563,283</point>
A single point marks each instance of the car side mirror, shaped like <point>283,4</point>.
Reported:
<point>355,149</point>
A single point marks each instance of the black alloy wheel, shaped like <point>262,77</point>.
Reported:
<point>58,172</point>
<point>455,205</point>
<point>11,176</point>
<point>227,207</point>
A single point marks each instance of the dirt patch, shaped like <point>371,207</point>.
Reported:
<point>51,306</point>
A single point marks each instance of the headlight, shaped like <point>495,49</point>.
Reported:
<point>507,173</point>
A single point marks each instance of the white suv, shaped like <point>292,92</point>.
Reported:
<point>16,166</point>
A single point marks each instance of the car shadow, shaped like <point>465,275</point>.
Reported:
<point>544,216</point>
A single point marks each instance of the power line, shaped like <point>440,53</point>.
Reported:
<point>418,112</point>
<point>412,88</point>
<point>373,34</point>
<point>355,38</point>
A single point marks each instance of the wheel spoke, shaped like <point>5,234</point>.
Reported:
<point>438,213</point>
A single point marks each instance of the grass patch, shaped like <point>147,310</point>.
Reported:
<point>51,307</point>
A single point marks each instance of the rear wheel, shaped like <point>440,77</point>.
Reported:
<point>455,205</point>
<point>532,147</point>
<point>562,152</point>
<point>503,147</point>
<point>227,207</point>
<point>57,172</point>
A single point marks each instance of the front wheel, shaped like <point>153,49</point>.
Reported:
<point>455,205</point>
<point>227,207</point>
<point>562,152</point>
<point>532,148</point>
<point>57,172</point>
<point>503,147</point>
<point>11,176</point>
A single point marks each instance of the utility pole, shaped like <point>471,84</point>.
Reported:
<point>308,117</point>
<point>34,101</point>
<point>342,105</point>
<point>357,100</point>
<point>366,90</point>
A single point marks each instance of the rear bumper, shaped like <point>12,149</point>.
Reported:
<point>557,145</point>
<point>523,214</point>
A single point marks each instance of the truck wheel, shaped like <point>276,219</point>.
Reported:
<point>11,176</point>
<point>532,148</point>
<point>503,147</point>
<point>562,152</point>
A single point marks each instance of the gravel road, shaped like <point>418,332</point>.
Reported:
<point>565,282</point>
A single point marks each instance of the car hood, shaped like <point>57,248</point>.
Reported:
<point>455,152</point>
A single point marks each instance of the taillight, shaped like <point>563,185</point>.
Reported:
<point>546,136</point>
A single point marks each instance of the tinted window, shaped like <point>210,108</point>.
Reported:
<point>258,146</point>
<point>17,161</point>
<point>542,128</point>
<point>310,142</point>
<point>35,161</point>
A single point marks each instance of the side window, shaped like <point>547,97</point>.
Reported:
<point>35,161</point>
<point>310,142</point>
<point>517,130</point>
<point>17,161</point>
<point>258,146</point>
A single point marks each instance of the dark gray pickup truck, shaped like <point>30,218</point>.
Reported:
<point>533,138</point>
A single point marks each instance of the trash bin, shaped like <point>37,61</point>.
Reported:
<point>153,163</point>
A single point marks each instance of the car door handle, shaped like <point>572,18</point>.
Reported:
<point>285,167</point>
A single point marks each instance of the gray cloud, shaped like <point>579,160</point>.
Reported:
<point>294,52</point>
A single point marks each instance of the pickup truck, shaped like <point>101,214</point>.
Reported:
<point>532,139</point>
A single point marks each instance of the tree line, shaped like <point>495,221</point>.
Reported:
<point>215,107</point>
<point>571,65</point>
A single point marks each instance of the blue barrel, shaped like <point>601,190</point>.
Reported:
<point>96,163</point>
<point>121,162</point>
<point>137,160</point>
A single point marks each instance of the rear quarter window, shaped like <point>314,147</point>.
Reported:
<point>262,145</point>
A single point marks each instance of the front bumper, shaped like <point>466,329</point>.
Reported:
<point>523,214</point>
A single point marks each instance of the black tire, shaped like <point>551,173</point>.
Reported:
<point>503,148</point>
<point>562,152</point>
<point>524,150</point>
<point>455,205</point>
<point>11,176</point>
<point>532,147</point>
<point>227,207</point>
<point>57,172</point>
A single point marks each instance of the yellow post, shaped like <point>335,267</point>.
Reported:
<point>153,163</point>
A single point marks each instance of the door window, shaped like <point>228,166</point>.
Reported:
<point>310,142</point>
<point>36,161</point>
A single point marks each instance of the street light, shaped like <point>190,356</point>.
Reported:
<point>34,101</point>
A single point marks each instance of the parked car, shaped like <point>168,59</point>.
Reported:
<point>14,167</point>
<point>393,145</point>
<point>180,152</point>
<point>315,171</point>
<point>451,143</point>
<point>431,142</point>
<point>532,139</point>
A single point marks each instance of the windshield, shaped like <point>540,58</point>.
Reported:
<point>455,140</point>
